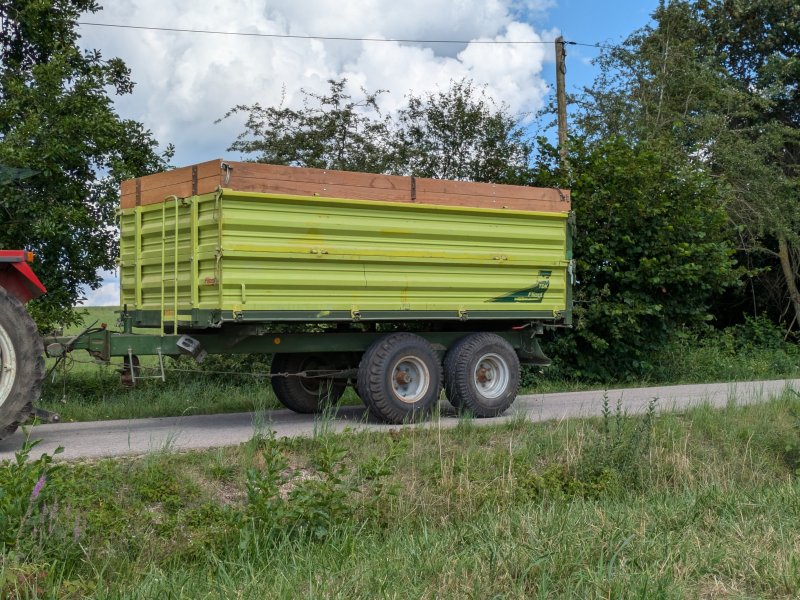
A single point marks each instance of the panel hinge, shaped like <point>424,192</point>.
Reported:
<point>227,170</point>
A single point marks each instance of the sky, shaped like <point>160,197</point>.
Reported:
<point>187,81</point>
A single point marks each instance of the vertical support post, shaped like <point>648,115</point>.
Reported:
<point>175,273</point>
<point>127,320</point>
<point>163,259</point>
<point>137,216</point>
<point>131,366</point>
<point>561,99</point>
<point>161,363</point>
<point>195,264</point>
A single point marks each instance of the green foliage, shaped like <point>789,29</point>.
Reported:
<point>683,503</point>
<point>25,486</point>
<point>620,451</point>
<point>58,124</point>
<point>611,461</point>
<point>459,133</point>
<point>310,503</point>
<point>755,349</point>
<point>651,251</point>
<point>333,131</point>
<point>717,81</point>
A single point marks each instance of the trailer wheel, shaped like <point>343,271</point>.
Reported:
<point>21,364</point>
<point>400,378</point>
<point>305,394</point>
<point>481,374</point>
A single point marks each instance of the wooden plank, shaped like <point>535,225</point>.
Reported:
<point>313,180</point>
<point>276,179</point>
<point>173,179</point>
<point>491,190</point>
<point>324,190</point>
<point>181,189</point>
<point>497,203</point>
<point>489,195</point>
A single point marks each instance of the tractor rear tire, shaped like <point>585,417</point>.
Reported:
<point>21,364</point>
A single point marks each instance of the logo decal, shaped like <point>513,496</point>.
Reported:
<point>531,295</point>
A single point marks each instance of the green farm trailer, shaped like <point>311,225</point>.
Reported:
<point>399,286</point>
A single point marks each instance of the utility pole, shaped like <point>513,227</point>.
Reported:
<point>561,99</point>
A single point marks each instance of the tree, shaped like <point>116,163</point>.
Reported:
<point>58,123</point>
<point>333,131</point>
<point>459,133</point>
<point>717,80</point>
<point>650,253</point>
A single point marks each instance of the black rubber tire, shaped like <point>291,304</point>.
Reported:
<point>461,364</point>
<point>377,372</point>
<point>304,394</point>
<point>20,330</point>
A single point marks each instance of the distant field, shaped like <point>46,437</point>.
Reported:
<point>101,314</point>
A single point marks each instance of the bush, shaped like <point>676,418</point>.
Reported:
<point>651,251</point>
<point>755,349</point>
<point>308,504</point>
<point>610,462</point>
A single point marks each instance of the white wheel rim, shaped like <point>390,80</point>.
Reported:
<point>491,375</point>
<point>8,365</point>
<point>410,379</point>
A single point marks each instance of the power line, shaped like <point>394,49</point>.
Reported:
<point>324,37</point>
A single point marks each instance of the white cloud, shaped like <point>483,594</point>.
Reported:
<point>107,294</point>
<point>187,81</point>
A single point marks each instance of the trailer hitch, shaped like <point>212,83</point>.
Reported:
<point>57,349</point>
<point>46,416</point>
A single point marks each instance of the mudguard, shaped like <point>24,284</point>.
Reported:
<point>16,276</point>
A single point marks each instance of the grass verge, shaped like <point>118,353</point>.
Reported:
<point>700,504</point>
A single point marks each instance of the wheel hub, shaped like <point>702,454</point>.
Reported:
<point>485,374</point>
<point>410,379</point>
<point>492,375</point>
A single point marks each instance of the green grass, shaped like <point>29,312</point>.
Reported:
<point>87,391</point>
<point>700,504</point>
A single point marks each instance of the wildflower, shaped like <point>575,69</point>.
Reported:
<point>37,488</point>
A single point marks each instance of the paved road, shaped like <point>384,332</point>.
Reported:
<point>138,436</point>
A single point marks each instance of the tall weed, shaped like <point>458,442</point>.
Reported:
<point>610,461</point>
<point>309,502</point>
<point>24,488</point>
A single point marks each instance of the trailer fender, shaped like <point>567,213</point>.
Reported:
<point>16,276</point>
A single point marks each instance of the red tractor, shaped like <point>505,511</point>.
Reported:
<point>21,354</point>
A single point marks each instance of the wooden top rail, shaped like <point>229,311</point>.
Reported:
<point>204,178</point>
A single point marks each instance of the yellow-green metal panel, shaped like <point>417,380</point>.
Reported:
<point>278,254</point>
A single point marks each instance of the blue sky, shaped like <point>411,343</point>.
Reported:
<point>185,82</point>
<point>594,22</point>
